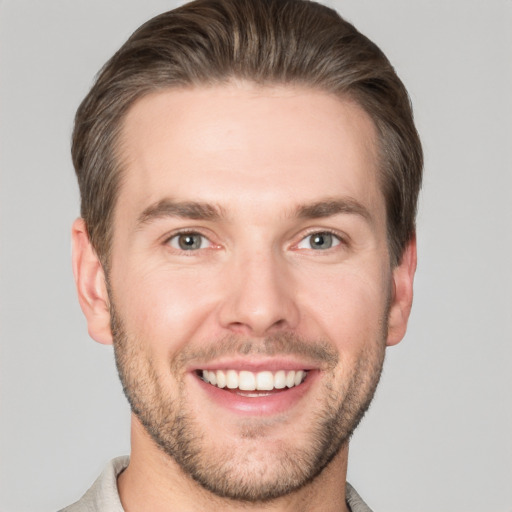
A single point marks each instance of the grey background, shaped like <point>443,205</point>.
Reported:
<point>439,435</point>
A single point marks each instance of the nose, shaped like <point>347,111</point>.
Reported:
<point>259,296</point>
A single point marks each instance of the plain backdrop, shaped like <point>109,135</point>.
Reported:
<point>439,434</point>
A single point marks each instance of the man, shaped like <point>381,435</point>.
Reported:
<point>249,172</point>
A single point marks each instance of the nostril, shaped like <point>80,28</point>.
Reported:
<point>254,329</point>
<point>240,328</point>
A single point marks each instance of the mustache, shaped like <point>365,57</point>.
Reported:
<point>282,344</point>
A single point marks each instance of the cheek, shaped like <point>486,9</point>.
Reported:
<point>164,308</point>
<point>349,307</point>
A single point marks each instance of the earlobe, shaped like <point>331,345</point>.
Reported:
<point>402,294</point>
<point>90,284</point>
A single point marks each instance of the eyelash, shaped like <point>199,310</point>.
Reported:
<point>336,239</point>
<point>185,233</point>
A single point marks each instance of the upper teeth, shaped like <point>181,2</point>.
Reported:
<point>248,381</point>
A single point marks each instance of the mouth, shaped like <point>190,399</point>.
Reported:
<point>260,382</point>
<point>260,391</point>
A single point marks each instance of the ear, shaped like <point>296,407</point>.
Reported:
<point>90,284</point>
<point>402,292</point>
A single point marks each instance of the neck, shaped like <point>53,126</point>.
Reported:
<point>153,481</point>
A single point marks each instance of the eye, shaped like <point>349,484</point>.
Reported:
<point>189,241</point>
<point>319,241</point>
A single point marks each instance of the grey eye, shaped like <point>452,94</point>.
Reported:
<point>189,241</point>
<point>320,241</point>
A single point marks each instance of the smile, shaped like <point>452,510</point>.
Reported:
<point>254,381</point>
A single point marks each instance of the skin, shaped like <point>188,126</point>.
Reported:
<point>260,157</point>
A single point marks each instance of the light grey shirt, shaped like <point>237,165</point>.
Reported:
<point>104,497</point>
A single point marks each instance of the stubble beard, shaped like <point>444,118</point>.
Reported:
<point>252,474</point>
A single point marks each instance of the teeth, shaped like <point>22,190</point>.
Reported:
<point>246,381</point>
<point>221,379</point>
<point>265,381</point>
<point>212,377</point>
<point>250,381</point>
<point>231,379</point>
<point>290,379</point>
<point>280,379</point>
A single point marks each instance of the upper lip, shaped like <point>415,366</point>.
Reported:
<point>256,364</point>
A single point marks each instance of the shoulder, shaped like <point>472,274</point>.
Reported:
<point>354,501</point>
<point>103,495</point>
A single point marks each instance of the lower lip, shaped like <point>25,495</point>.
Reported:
<point>275,402</point>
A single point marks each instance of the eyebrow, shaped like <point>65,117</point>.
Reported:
<point>206,211</point>
<point>328,208</point>
<point>185,210</point>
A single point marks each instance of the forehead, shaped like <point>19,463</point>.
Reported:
<point>246,143</point>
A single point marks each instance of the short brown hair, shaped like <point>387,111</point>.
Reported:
<point>208,42</point>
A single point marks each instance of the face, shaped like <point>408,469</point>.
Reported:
<point>250,286</point>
